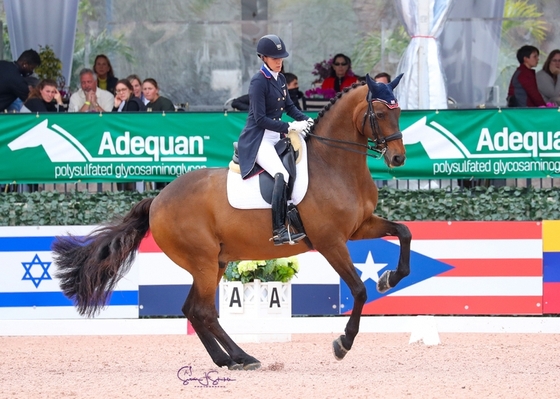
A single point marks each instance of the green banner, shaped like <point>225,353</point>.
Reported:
<point>118,147</point>
<point>485,143</point>
<point>114,146</point>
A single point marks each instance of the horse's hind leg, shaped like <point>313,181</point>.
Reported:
<point>200,310</point>
<point>219,357</point>
<point>376,227</point>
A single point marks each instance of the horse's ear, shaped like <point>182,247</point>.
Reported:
<point>396,81</point>
<point>372,85</point>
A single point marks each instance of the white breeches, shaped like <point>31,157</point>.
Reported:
<point>267,157</point>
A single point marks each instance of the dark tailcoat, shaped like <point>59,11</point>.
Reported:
<point>269,99</point>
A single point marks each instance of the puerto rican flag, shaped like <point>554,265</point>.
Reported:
<point>470,268</point>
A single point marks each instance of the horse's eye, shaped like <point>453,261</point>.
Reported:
<point>380,115</point>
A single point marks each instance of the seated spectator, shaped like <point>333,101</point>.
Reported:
<point>125,100</point>
<point>523,90</point>
<point>241,103</point>
<point>382,77</point>
<point>12,77</point>
<point>547,78</point>
<point>341,75</point>
<point>105,76</point>
<point>156,102</point>
<point>90,98</point>
<point>136,83</point>
<point>44,98</point>
<point>293,88</point>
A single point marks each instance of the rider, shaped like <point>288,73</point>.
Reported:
<point>268,98</point>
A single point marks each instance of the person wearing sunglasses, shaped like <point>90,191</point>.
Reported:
<point>341,75</point>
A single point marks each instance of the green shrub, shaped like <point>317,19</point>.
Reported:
<point>504,203</point>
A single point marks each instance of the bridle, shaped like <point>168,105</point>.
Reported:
<point>379,143</point>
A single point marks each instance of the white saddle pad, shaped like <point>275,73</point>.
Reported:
<point>246,194</point>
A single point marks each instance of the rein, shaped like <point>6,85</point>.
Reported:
<point>379,142</point>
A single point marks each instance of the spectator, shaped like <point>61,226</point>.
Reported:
<point>523,90</point>
<point>293,88</point>
<point>32,81</point>
<point>136,83</point>
<point>341,75</point>
<point>156,102</point>
<point>44,98</point>
<point>382,77</point>
<point>90,98</point>
<point>12,78</point>
<point>125,100</point>
<point>105,76</point>
<point>241,103</point>
<point>547,78</point>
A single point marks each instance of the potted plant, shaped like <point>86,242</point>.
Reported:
<point>51,68</point>
<point>258,289</point>
<point>281,269</point>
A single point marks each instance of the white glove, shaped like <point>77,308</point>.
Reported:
<point>297,126</point>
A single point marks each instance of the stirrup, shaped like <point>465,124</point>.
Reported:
<point>283,236</point>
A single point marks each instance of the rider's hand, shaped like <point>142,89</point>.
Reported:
<point>297,126</point>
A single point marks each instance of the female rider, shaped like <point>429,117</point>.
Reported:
<point>268,98</point>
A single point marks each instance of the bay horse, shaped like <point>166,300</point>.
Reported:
<point>194,225</point>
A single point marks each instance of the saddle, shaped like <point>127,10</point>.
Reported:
<point>288,149</point>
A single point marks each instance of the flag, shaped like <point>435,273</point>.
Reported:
<point>458,268</point>
<point>29,288</point>
<point>551,266</point>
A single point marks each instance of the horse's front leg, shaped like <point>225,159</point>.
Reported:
<point>340,260</point>
<point>377,227</point>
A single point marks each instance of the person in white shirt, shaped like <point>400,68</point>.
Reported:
<point>90,98</point>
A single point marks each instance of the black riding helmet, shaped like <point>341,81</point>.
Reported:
<point>271,46</point>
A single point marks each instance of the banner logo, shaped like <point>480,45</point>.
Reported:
<point>61,146</point>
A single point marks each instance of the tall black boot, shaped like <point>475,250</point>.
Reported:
<point>280,234</point>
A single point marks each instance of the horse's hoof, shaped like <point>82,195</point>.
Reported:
<point>338,349</point>
<point>252,366</point>
<point>383,282</point>
<point>235,366</point>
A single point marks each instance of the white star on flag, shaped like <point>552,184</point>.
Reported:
<point>370,269</point>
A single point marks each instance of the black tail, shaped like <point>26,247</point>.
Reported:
<point>90,267</point>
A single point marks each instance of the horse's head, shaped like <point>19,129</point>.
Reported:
<point>381,121</point>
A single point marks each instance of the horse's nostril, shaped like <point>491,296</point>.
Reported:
<point>398,160</point>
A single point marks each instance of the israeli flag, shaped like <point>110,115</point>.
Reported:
<point>29,288</point>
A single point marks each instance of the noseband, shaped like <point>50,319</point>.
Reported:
<point>379,142</point>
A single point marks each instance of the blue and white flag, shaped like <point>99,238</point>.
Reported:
<point>29,288</point>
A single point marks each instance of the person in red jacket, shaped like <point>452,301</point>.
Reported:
<point>523,90</point>
<point>341,75</point>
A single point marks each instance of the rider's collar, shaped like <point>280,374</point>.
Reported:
<point>268,73</point>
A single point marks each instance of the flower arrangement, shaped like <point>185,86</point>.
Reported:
<point>246,271</point>
<point>318,92</point>
<point>322,70</point>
